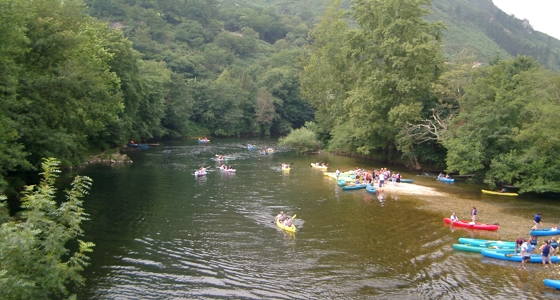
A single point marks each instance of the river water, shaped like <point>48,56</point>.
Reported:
<point>162,233</point>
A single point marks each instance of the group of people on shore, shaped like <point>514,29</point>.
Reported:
<point>377,176</point>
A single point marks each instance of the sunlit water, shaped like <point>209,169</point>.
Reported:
<point>162,233</point>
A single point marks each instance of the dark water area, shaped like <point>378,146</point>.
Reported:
<point>162,233</point>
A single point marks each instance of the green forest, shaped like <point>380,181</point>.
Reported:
<point>438,86</point>
<point>375,78</point>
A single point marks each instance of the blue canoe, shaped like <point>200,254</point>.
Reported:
<point>545,232</point>
<point>341,182</point>
<point>478,249</point>
<point>139,146</point>
<point>407,180</point>
<point>354,187</point>
<point>250,147</point>
<point>443,179</point>
<point>553,283</point>
<point>486,243</point>
<point>509,256</point>
<point>370,188</point>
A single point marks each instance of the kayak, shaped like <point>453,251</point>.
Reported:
<point>499,193</point>
<point>478,249</point>
<point>318,166</point>
<point>443,179</point>
<point>354,187</point>
<point>286,169</point>
<point>545,231</point>
<point>228,170</point>
<point>250,147</point>
<point>509,256</point>
<point>287,228</point>
<point>198,173</point>
<point>203,140</point>
<point>407,180</point>
<point>553,283</point>
<point>472,225</point>
<point>485,243</point>
<point>341,182</point>
<point>370,188</point>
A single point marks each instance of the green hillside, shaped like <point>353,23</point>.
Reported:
<point>481,27</point>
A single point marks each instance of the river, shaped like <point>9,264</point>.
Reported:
<point>162,233</point>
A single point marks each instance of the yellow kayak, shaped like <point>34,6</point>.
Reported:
<point>287,228</point>
<point>499,193</point>
<point>286,169</point>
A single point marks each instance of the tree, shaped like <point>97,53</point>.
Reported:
<point>302,139</point>
<point>34,260</point>
<point>265,110</point>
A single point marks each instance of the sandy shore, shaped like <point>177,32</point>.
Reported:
<point>512,226</point>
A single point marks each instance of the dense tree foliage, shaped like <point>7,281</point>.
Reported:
<point>35,262</point>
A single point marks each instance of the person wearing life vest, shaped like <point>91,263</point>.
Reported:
<point>546,251</point>
<point>537,221</point>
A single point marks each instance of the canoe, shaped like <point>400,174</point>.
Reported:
<point>354,187</point>
<point>203,141</point>
<point>197,173</point>
<point>478,249</point>
<point>228,170</point>
<point>509,256</point>
<point>482,242</point>
<point>407,180</point>
<point>370,188</point>
<point>476,225</point>
<point>553,283</point>
<point>250,147</point>
<point>499,193</point>
<point>443,179</point>
<point>318,166</point>
<point>139,146</point>
<point>286,169</point>
<point>545,231</point>
<point>341,182</point>
<point>287,228</point>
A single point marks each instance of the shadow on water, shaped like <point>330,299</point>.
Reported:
<point>163,233</point>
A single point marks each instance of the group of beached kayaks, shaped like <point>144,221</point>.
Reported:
<point>506,250</point>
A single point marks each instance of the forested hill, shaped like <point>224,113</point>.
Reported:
<point>481,27</point>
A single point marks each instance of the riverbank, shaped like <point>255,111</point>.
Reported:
<point>512,226</point>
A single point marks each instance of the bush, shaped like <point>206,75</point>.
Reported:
<point>302,139</point>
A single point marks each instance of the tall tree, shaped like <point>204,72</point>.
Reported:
<point>35,263</point>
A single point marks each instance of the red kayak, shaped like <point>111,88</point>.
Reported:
<point>471,225</point>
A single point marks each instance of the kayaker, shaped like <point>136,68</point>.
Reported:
<point>337,173</point>
<point>288,222</point>
<point>537,221</point>
<point>281,216</point>
<point>526,251</point>
<point>454,217</point>
<point>546,250</point>
<point>518,244</point>
<point>533,241</point>
<point>473,214</point>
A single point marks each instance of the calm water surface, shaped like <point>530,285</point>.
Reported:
<point>161,233</point>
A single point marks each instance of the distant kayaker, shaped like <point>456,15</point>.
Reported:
<point>526,251</point>
<point>454,217</point>
<point>337,173</point>
<point>546,250</point>
<point>473,214</point>
<point>518,244</point>
<point>281,216</point>
<point>288,222</point>
<point>537,221</point>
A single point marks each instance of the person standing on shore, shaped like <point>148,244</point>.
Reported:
<point>473,214</point>
<point>537,221</point>
<point>526,251</point>
<point>546,251</point>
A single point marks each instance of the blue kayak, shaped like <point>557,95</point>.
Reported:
<point>478,249</point>
<point>407,180</point>
<point>486,243</point>
<point>370,188</point>
<point>341,182</point>
<point>354,187</point>
<point>553,283</point>
<point>545,231</point>
<point>443,179</point>
<point>509,256</point>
